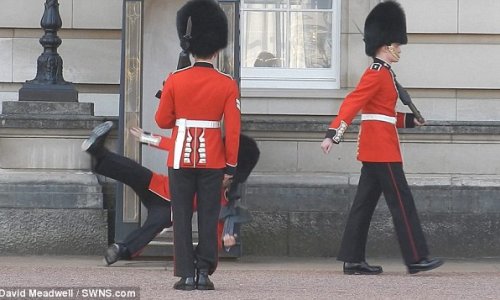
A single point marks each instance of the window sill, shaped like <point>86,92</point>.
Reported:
<point>292,93</point>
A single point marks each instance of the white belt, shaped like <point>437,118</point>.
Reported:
<point>378,117</point>
<point>182,124</point>
<point>197,123</point>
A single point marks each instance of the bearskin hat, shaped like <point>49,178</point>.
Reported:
<point>385,24</point>
<point>248,156</point>
<point>209,31</point>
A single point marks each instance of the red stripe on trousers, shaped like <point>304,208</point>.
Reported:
<point>403,212</point>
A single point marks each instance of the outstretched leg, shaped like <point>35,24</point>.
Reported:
<point>136,176</point>
<point>125,170</point>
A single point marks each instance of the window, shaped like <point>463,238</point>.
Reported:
<point>290,44</point>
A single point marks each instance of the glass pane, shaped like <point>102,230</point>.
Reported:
<point>311,4</point>
<point>265,41</point>
<point>261,4</point>
<point>310,40</point>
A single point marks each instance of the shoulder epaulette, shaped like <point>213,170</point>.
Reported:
<point>225,74</point>
<point>180,70</point>
<point>376,66</point>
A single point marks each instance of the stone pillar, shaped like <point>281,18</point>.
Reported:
<point>50,201</point>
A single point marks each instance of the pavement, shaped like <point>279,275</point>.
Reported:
<point>249,277</point>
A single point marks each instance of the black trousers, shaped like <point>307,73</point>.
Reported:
<point>206,185</point>
<point>387,178</point>
<point>138,178</point>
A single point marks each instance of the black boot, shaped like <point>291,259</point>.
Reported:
<point>361,268</point>
<point>424,265</point>
<point>203,282</point>
<point>185,284</point>
<point>114,253</point>
<point>94,143</point>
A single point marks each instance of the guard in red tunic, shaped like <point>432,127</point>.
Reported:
<point>195,102</point>
<point>153,190</point>
<point>378,148</point>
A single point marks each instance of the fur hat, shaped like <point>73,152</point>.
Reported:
<point>209,32</point>
<point>248,156</point>
<point>385,24</point>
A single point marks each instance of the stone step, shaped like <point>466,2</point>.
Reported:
<point>51,212</point>
<point>49,189</point>
<point>334,192</point>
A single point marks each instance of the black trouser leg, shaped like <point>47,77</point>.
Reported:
<point>209,192</point>
<point>206,184</point>
<point>182,190</point>
<point>158,218</point>
<point>404,213</point>
<point>125,170</point>
<point>136,176</point>
<point>353,246</point>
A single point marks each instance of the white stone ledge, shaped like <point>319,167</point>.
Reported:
<point>44,176</point>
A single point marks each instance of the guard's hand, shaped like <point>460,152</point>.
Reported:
<point>229,240</point>
<point>145,137</point>
<point>417,123</point>
<point>226,182</point>
<point>137,132</point>
<point>326,145</point>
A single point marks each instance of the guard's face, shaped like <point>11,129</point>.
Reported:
<point>394,50</point>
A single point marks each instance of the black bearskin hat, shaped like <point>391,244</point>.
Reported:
<point>385,24</point>
<point>248,156</point>
<point>209,32</point>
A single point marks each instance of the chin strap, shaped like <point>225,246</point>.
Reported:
<point>393,52</point>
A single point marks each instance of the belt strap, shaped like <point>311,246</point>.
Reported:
<point>197,123</point>
<point>378,117</point>
<point>182,124</point>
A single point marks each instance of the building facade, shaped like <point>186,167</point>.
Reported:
<point>315,57</point>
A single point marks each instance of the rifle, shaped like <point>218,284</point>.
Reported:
<point>184,60</point>
<point>406,99</point>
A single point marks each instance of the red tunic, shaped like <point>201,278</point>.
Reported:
<point>376,93</point>
<point>205,94</point>
<point>159,182</point>
<point>159,185</point>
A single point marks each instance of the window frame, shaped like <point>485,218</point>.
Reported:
<point>293,78</point>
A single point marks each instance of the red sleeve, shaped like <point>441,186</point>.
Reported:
<point>405,120</point>
<point>165,143</point>
<point>165,114</point>
<point>367,87</point>
<point>232,126</point>
<point>353,103</point>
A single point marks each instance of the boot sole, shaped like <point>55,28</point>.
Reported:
<point>96,133</point>
<point>184,288</point>
<point>416,270</point>
<point>361,273</point>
